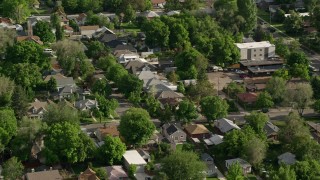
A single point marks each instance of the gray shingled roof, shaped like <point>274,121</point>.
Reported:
<point>270,128</point>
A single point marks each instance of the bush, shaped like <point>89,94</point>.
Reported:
<point>232,106</point>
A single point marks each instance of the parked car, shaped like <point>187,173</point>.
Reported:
<point>313,69</point>
<point>239,71</point>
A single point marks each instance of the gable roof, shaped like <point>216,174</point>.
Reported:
<point>116,172</point>
<point>225,125</point>
<point>196,129</point>
<point>205,157</point>
<point>243,163</point>
<point>169,95</point>
<point>125,47</point>
<point>61,80</point>
<point>214,139</point>
<point>88,174</point>
<point>81,104</point>
<point>47,175</point>
<point>270,128</point>
<point>287,158</point>
<point>105,37</point>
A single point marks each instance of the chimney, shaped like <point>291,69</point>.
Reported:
<point>32,170</point>
<point>50,168</point>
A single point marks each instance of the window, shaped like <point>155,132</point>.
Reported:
<point>260,49</point>
<point>255,55</point>
<point>181,136</point>
<point>254,50</point>
<point>260,54</point>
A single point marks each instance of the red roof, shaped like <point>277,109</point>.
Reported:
<point>5,20</point>
<point>247,97</point>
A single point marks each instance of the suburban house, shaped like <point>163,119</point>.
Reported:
<point>225,125</point>
<point>133,157</point>
<point>211,168</point>
<point>198,131</point>
<point>65,92</point>
<point>38,108</point>
<point>246,167</point>
<point>145,155</point>
<point>173,133</point>
<point>88,30</point>
<point>149,14</point>
<point>86,104</point>
<point>158,3</point>
<point>271,130</point>
<point>81,19</point>
<point>315,130</point>
<point>116,173</point>
<point>122,47</point>
<point>88,174</point>
<point>214,140</point>
<point>137,66</point>
<point>47,175</point>
<point>110,129</point>
<point>287,158</point>
<point>125,56</point>
<point>61,80</point>
<point>259,58</point>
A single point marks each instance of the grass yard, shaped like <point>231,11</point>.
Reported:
<point>179,147</point>
<point>313,119</point>
<point>130,27</point>
<point>210,178</point>
<point>251,177</point>
<point>39,11</point>
<point>279,123</point>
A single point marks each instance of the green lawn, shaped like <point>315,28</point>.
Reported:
<point>39,11</point>
<point>251,177</point>
<point>130,27</point>
<point>313,119</point>
<point>210,178</point>
<point>279,123</point>
<point>179,147</point>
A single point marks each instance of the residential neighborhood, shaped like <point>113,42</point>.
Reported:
<point>160,89</point>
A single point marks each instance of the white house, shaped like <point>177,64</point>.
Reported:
<point>86,104</point>
<point>214,140</point>
<point>133,157</point>
<point>256,50</point>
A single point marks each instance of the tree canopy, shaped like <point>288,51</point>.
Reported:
<point>213,107</point>
<point>136,126</point>
<point>186,111</point>
<point>12,169</point>
<point>8,127</point>
<point>112,150</point>
<point>65,142</point>
<point>183,165</point>
<point>43,30</point>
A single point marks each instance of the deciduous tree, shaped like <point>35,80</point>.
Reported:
<point>235,172</point>
<point>157,33</point>
<point>8,127</point>
<point>66,143</point>
<point>111,151</point>
<point>16,9</point>
<point>12,169</point>
<point>264,100</point>
<point>136,126</point>
<point>19,102</point>
<point>6,90</point>
<point>7,37</point>
<point>299,96</point>
<point>43,30</point>
<point>186,111</point>
<point>255,151</point>
<point>248,10</point>
<point>276,87</point>
<point>183,165</point>
<point>61,112</point>
<point>213,107</point>
<point>257,120</point>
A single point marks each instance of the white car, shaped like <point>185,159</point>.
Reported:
<point>314,69</point>
<point>47,51</point>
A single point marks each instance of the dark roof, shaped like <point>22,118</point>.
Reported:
<point>261,62</point>
<point>125,47</point>
<point>265,69</point>
<point>171,129</point>
<point>113,43</point>
<point>106,37</point>
<point>270,128</point>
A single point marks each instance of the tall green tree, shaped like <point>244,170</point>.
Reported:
<point>61,112</point>
<point>59,32</point>
<point>293,24</point>
<point>129,13</point>
<point>7,37</point>
<point>12,169</point>
<point>257,120</point>
<point>299,96</point>
<point>25,74</point>
<point>64,142</point>
<point>135,126</point>
<point>183,165</point>
<point>255,151</point>
<point>235,172</point>
<point>248,10</point>
<point>8,127</point>
<point>153,106</point>
<point>264,100</point>
<point>19,102</point>
<point>284,173</point>
<point>96,50</point>
<point>191,64</point>
<point>69,53</point>
<point>28,131</point>
<point>315,83</point>
<point>213,107</point>
<point>130,83</point>
<point>18,10</point>
<point>111,151</point>
<point>43,30</point>
<point>186,111</point>
<point>276,87</point>
<point>157,33</point>
<point>106,107</point>
<point>27,52</point>
<point>102,87</point>
<point>307,169</point>
<point>6,90</point>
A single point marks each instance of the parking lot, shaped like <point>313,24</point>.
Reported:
<point>221,79</point>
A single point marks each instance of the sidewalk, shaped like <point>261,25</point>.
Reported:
<point>220,175</point>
